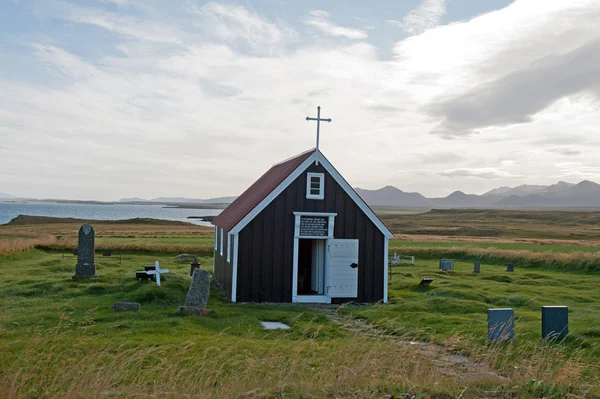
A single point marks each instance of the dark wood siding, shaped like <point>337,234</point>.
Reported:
<point>266,245</point>
<point>223,269</point>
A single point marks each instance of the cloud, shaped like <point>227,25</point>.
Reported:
<point>566,151</point>
<point>427,15</point>
<point>479,173</point>
<point>516,97</point>
<point>577,170</point>
<point>233,23</point>
<point>128,26</point>
<point>319,20</point>
<point>153,100</point>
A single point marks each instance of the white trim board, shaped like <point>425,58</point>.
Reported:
<point>311,299</point>
<point>234,268</point>
<point>385,269</point>
<point>316,156</point>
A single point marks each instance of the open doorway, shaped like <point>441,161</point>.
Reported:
<point>311,267</point>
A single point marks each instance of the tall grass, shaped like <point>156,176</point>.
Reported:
<point>573,260</point>
<point>24,244</point>
<point>360,366</point>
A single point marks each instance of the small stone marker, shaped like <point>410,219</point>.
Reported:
<point>274,325</point>
<point>86,268</point>
<point>447,264</point>
<point>194,265</point>
<point>510,267</point>
<point>426,281</point>
<point>476,266</point>
<point>106,253</point>
<point>555,322</point>
<point>157,272</point>
<point>501,325</point>
<point>126,307</point>
<point>197,296</point>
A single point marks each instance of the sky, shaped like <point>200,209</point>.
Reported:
<point>119,98</point>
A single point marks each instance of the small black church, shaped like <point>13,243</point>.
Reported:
<point>301,233</point>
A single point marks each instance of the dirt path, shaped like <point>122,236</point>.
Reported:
<point>448,364</point>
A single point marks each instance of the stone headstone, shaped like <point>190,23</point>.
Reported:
<point>476,267</point>
<point>447,264</point>
<point>86,268</point>
<point>555,322</point>
<point>501,325</point>
<point>510,267</point>
<point>199,289</point>
<point>126,307</point>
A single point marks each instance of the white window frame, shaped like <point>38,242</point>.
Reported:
<point>321,194</point>
<point>216,238</point>
<point>229,247</point>
<point>221,242</point>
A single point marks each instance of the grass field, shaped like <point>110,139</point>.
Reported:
<point>59,338</point>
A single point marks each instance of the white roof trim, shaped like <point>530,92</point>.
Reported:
<point>273,194</point>
<point>355,197</point>
<point>316,156</point>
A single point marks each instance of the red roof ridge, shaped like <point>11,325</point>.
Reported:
<point>258,191</point>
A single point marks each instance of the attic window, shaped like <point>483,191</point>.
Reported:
<point>315,186</point>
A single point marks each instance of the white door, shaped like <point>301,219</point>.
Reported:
<point>342,266</point>
<point>317,266</point>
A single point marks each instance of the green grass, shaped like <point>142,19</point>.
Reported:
<point>59,338</point>
<point>49,322</point>
<point>398,245</point>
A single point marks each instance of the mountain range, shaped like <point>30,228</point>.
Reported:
<point>182,200</point>
<point>585,194</point>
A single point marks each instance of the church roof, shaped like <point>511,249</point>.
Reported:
<point>258,191</point>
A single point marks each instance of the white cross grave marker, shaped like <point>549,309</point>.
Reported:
<point>157,271</point>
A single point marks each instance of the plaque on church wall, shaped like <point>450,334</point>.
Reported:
<point>313,226</point>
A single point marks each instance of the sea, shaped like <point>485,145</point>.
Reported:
<point>10,210</point>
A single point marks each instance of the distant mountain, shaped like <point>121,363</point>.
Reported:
<point>527,189</point>
<point>391,196</point>
<point>6,196</point>
<point>182,200</point>
<point>560,195</point>
<point>219,200</point>
<point>458,199</point>
<point>133,199</point>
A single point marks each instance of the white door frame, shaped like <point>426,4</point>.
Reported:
<point>297,237</point>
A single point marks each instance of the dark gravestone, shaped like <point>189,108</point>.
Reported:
<point>476,267</point>
<point>106,253</point>
<point>555,322</point>
<point>193,266</point>
<point>426,281</point>
<point>197,296</point>
<point>148,268</point>
<point>86,268</point>
<point>501,325</point>
<point>510,267</point>
<point>143,276</point>
<point>447,264</point>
